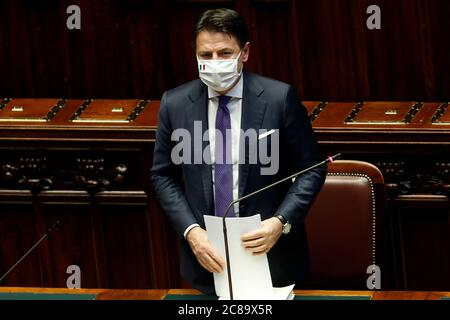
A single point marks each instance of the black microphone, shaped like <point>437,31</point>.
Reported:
<point>324,162</point>
<point>52,228</point>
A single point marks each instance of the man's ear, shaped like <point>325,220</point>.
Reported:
<point>246,52</point>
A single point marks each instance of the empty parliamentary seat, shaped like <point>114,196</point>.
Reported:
<point>343,225</point>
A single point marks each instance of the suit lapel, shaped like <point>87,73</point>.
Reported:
<point>197,110</point>
<point>253,110</point>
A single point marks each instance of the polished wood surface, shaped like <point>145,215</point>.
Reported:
<point>375,295</point>
<point>110,294</point>
<point>102,294</point>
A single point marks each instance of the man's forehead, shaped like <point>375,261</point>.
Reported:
<point>207,41</point>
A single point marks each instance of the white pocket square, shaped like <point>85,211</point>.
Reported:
<point>265,134</point>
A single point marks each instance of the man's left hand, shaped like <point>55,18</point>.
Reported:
<point>263,239</point>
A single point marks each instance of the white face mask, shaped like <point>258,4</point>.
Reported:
<point>219,75</point>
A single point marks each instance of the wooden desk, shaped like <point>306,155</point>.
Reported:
<point>87,164</point>
<point>114,294</point>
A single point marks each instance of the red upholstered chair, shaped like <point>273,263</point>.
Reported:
<point>345,226</point>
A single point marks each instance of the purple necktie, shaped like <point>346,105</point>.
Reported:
<point>223,170</point>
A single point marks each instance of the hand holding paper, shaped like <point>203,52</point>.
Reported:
<point>263,239</point>
<point>250,274</point>
<point>206,254</point>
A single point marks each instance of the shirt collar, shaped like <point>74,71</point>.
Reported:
<point>235,92</point>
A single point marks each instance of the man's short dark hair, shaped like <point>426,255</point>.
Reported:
<point>222,20</point>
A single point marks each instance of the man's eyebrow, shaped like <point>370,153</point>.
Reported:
<point>226,49</point>
<point>220,50</point>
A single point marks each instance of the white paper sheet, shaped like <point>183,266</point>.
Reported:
<point>250,274</point>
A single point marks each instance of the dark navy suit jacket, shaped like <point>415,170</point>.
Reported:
<point>185,191</point>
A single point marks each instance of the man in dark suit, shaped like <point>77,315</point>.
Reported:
<point>227,100</point>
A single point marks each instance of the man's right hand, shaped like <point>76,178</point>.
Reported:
<point>204,251</point>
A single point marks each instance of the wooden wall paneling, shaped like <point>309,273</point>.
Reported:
<point>101,262</point>
<point>18,233</point>
<point>149,49</point>
<point>161,237</point>
<point>16,57</point>
<point>82,74</point>
<point>164,243</point>
<point>382,53</point>
<point>401,51</point>
<point>424,242</point>
<point>271,40</point>
<point>181,62</point>
<point>294,48</point>
<point>44,253</point>
<point>48,55</point>
<point>427,45</point>
<point>124,226</point>
<point>73,242</point>
<point>110,59</point>
<point>141,49</point>
<point>3,42</point>
<point>441,63</point>
<point>332,49</point>
<point>165,248</point>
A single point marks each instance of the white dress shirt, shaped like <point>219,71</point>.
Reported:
<point>235,108</point>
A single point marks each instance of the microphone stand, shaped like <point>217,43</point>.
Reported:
<point>225,233</point>
<point>56,225</point>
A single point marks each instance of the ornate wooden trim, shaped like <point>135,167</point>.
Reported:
<point>407,119</point>
<point>56,108</point>
<point>4,102</point>
<point>317,110</point>
<point>37,173</point>
<point>352,115</point>
<point>412,112</point>
<point>438,114</point>
<point>130,118</point>
<point>80,110</point>
<point>137,110</point>
<point>48,117</point>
